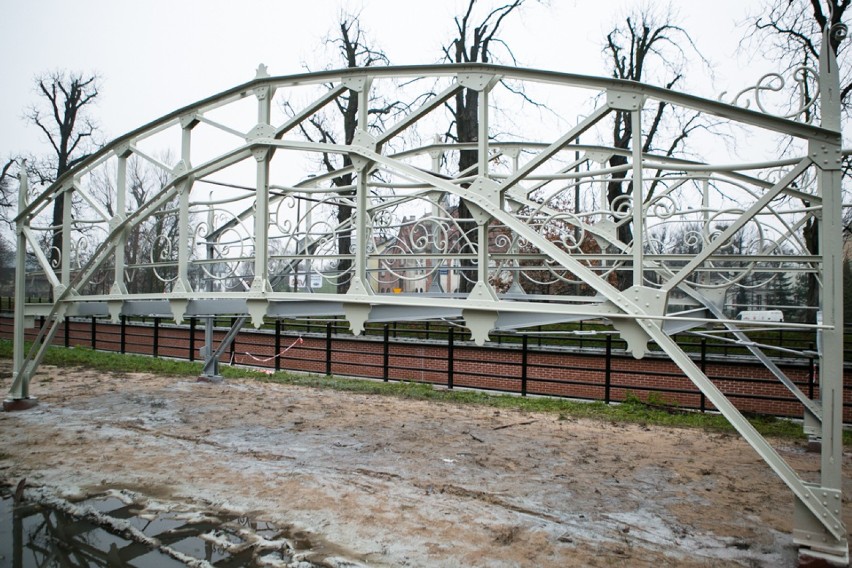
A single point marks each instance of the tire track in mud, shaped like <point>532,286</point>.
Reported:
<point>254,454</point>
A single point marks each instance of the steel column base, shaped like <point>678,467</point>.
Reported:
<point>817,546</point>
<point>215,379</point>
<point>13,404</point>
<point>814,445</point>
<point>810,559</point>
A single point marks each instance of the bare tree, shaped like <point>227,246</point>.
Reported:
<point>646,47</point>
<point>62,115</point>
<point>474,43</point>
<point>790,33</point>
<point>152,240</point>
<point>356,50</point>
<point>7,191</point>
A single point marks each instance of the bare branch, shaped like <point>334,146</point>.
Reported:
<point>65,98</point>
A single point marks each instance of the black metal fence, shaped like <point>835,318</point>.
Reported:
<point>585,364</point>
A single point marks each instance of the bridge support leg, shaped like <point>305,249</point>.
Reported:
<point>210,372</point>
<point>19,396</point>
<point>813,535</point>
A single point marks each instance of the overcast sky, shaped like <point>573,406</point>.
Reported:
<point>158,55</point>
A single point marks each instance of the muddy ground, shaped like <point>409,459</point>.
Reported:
<point>380,481</point>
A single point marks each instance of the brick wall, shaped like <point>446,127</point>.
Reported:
<point>560,372</point>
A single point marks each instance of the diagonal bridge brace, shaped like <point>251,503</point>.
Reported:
<point>806,494</point>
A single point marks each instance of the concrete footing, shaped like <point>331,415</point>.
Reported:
<point>13,404</point>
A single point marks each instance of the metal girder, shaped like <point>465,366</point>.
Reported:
<point>543,244</point>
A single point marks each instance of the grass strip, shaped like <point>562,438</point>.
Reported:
<point>654,410</point>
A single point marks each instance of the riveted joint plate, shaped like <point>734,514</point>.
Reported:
<point>260,285</point>
<point>825,155</point>
<point>181,168</point>
<point>182,286</point>
<point>58,290</point>
<point>477,81</point>
<point>649,301</point>
<point>482,292</point>
<point>597,157</point>
<point>358,84</point>
<point>823,537</point>
<point>123,150</point>
<point>260,154</point>
<point>512,151</point>
<point>606,234</point>
<point>480,216</point>
<point>260,132</point>
<point>362,139</point>
<point>189,121</point>
<point>436,153</point>
<point>64,309</point>
<point>118,289</point>
<point>262,93</point>
<point>487,191</point>
<point>623,100</point>
<point>357,288</point>
<point>716,297</point>
<point>116,221</point>
<point>434,196</point>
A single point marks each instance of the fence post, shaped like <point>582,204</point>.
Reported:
<point>450,357</point>
<point>386,360</point>
<point>608,368</point>
<point>703,370</point>
<point>67,331</point>
<point>156,337</point>
<point>328,349</point>
<point>123,320</point>
<point>277,345</point>
<point>94,333</point>
<point>524,342</point>
<point>192,323</point>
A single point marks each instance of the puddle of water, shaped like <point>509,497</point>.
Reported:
<point>34,535</point>
<point>199,548</point>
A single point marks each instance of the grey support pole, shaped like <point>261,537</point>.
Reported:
<point>809,531</point>
<point>19,398</point>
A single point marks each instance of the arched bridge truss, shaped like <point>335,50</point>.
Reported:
<point>541,229</point>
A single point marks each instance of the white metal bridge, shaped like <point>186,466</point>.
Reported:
<point>243,218</point>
